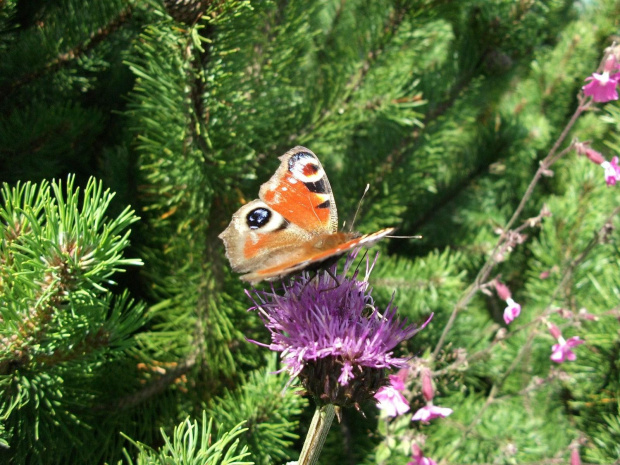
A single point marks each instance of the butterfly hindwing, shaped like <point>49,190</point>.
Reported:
<point>258,237</point>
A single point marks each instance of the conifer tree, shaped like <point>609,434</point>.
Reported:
<point>132,131</point>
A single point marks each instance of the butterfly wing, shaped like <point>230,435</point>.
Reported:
<point>314,253</point>
<point>300,192</point>
<point>292,226</point>
<point>296,205</point>
<point>259,237</point>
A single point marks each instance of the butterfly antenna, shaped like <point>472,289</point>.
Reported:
<point>405,237</point>
<point>359,205</point>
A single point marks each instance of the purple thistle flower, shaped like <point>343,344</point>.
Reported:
<point>331,334</point>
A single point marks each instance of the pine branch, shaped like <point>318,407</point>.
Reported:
<point>69,56</point>
<point>154,388</point>
<point>195,443</point>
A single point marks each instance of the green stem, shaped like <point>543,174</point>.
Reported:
<point>317,433</point>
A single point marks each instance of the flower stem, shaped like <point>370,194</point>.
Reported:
<point>487,268</point>
<point>317,433</point>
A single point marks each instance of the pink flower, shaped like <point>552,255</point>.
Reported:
<point>502,290</point>
<point>430,412</point>
<point>562,351</point>
<point>554,330</point>
<point>511,311</point>
<point>398,380</point>
<point>418,457</point>
<point>390,400</point>
<point>612,171</point>
<point>583,313</point>
<point>602,87</point>
<point>427,385</point>
<point>594,156</point>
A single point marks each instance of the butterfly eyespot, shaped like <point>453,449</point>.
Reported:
<point>305,167</point>
<point>303,159</point>
<point>310,169</point>
<point>258,218</point>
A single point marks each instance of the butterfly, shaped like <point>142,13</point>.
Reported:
<point>292,226</point>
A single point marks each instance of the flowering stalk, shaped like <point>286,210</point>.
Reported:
<point>321,422</point>
<point>429,411</point>
<point>484,273</point>
<point>599,237</point>
<point>563,350</point>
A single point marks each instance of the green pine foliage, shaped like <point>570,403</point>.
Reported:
<point>444,109</point>
<point>270,407</point>
<point>62,329</point>
<point>194,443</point>
<point>61,67</point>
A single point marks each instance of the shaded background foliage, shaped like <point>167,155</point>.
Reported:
<point>445,108</point>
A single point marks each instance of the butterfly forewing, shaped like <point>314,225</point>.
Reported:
<point>312,255</point>
<point>300,192</point>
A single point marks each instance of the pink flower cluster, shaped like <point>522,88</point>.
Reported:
<point>391,400</point>
<point>611,168</point>
<point>563,350</point>
<point>602,87</point>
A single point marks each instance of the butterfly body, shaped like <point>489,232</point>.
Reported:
<point>292,226</point>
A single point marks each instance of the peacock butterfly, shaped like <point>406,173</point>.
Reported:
<point>293,225</point>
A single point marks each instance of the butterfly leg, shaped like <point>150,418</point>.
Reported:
<point>334,277</point>
<point>314,273</point>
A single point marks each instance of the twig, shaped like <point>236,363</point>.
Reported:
<point>597,238</point>
<point>63,59</point>
<point>157,386</point>
<point>485,271</point>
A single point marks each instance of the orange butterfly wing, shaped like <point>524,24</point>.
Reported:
<point>342,243</point>
<point>300,192</point>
